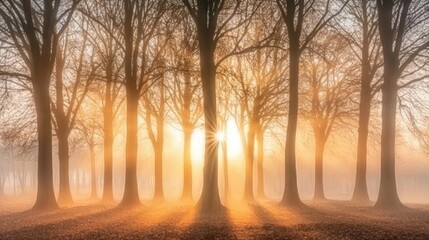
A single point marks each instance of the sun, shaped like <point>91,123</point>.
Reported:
<point>220,136</point>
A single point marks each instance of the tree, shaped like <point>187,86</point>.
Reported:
<point>69,94</point>
<point>185,94</point>
<point>154,102</point>
<point>35,33</point>
<point>403,41</point>
<point>258,89</point>
<point>106,42</point>
<point>140,22</point>
<point>298,16</point>
<point>215,20</point>
<point>328,78</point>
<point>362,38</point>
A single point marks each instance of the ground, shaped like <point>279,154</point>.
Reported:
<point>268,220</point>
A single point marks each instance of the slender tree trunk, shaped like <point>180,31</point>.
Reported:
<point>319,193</point>
<point>388,196</point>
<point>250,148</point>
<point>93,172</point>
<point>187,164</point>
<point>260,157</point>
<point>45,199</point>
<point>108,145</point>
<point>64,194</point>
<point>360,193</point>
<point>291,195</point>
<point>159,190</point>
<point>131,195</point>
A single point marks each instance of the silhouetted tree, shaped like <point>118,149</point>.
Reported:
<point>400,26</point>
<point>35,31</point>
<point>304,20</point>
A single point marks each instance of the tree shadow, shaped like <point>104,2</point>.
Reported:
<point>210,226</point>
<point>270,227</point>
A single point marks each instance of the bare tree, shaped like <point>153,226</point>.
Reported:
<point>105,39</point>
<point>362,38</point>
<point>328,77</point>
<point>185,94</point>
<point>304,20</point>
<point>69,94</point>
<point>403,41</point>
<point>216,20</point>
<point>140,22</point>
<point>35,33</point>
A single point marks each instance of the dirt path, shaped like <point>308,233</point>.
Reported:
<point>322,220</point>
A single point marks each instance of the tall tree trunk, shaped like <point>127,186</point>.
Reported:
<point>319,193</point>
<point>360,193</point>
<point>250,148</point>
<point>187,164</point>
<point>93,172</point>
<point>108,145</point>
<point>45,199</point>
<point>388,196</point>
<point>64,193</point>
<point>291,195</point>
<point>131,195</point>
<point>260,159</point>
<point>159,189</point>
<point>209,201</point>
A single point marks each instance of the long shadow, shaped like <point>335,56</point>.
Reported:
<point>270,227</point>
<point>66,227</point>
<point>212,226</point>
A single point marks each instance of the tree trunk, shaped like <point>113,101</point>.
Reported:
<point>360,193</point>
<point>250,148</point>
<point>45,199</point>
<point>388,196</point>
<point>260,157</point>
<point>108,145</point>
<point>319,193</point>
<point>64,194</point>
<point>291,195</point>
<point>93,172</point>
<point>131,195</point>
<point>209,201</point>
<point>159,190</point>
<point>187,164</point>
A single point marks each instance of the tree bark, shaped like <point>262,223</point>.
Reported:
<point>45,199</point>
<point>187,164</point>
<point>64,193</point>
<point>319,193</point>
<point>93,172</point>
<point>108,145</point>
<point>250,148</point>
<point>260,165</point>
<point>388,196</point>
<point>291,195</point>
<point>209,201</point>
<point>131,195</point>
<point>360,193</point>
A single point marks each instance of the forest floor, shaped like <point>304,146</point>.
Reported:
<point>318,220</point>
